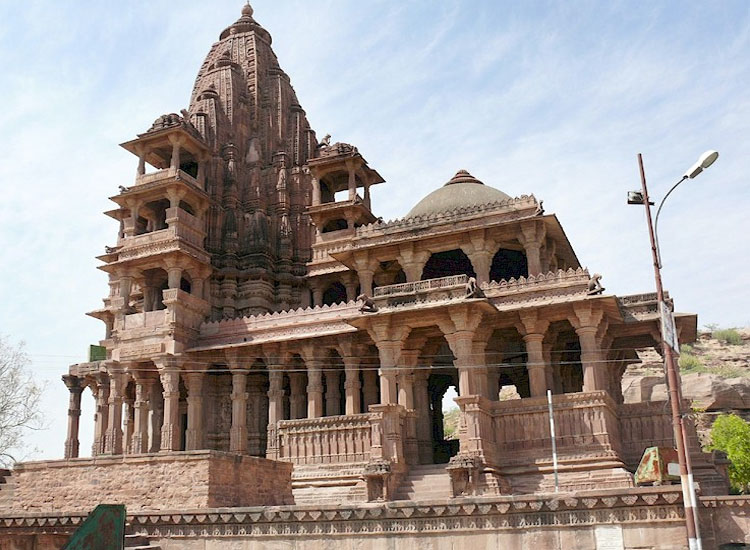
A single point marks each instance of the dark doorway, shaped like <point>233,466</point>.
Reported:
<point>445,264</point>
<point>508,264</point>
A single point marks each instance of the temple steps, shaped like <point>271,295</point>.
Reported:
<point>138,542</point>
<point>425,482</point>
<point>328,483</point>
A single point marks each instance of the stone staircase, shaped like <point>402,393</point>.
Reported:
<point>425,482</point>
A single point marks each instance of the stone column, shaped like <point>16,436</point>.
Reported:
<point>174,276</point>
<point>370,387</point>
<point>194,433</point>
<point>143,389</point>
<point>275,410</point>
<point>352,183</point>
<point>481,261</point>
<point>315,191</point>
<point>170,429</point>
<point>593,378</point>
<point>532,238</point>
<point>365,281</point>
<point>535,364</point>
<point>238,431</point>
<point>317,292</point>
<point>352,386</point>
<point>113,437</point>
<point>175,160</point>
<point>389,352</point>
<point>257,410</point>
<point>368,203</point>
<point>297,397</point>
<point>350,283</point>
<point>422,406</point>
<point>129,424</point>
<point>461,344</point>
<point>333,395</point>
<point>156,404</point>
<point>73,383</point>
<point>314,389</point>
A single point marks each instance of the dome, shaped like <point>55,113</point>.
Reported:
<point>461,191</point>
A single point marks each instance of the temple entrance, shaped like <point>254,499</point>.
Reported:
<point>445,442</point>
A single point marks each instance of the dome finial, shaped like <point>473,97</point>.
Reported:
<point>247,9</point>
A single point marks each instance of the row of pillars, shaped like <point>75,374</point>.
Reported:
<point>177,143</point>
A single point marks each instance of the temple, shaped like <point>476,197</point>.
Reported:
<point>265,325</point>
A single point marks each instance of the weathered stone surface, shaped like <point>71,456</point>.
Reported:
<point>706,391</point>
<point>199,479</point>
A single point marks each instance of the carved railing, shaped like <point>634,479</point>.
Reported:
<point>516,432</point>
<point>646,424</point>
<point>166,174</point>
<point>146,319</point>
<point>326,440</point>
<point>538,287</point>
<point>421,286</point>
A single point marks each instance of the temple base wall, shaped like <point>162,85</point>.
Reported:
<point>195,479</point>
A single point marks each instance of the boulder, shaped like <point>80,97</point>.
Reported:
<point>742,387</point>
<point>710,392</point>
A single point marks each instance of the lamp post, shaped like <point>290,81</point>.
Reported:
<point>670,345</point>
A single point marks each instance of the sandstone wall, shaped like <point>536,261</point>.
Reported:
<point>197,479</point>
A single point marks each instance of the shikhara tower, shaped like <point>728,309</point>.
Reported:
<point>271,341</point>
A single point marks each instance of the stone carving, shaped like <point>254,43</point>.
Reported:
<point>463,470</point>
<point>376,474</point>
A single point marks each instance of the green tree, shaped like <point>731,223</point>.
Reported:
<point>731,434</point>
<point>19,400</point>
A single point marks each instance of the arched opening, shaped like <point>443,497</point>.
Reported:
<point>442,386</point>
<point>566,358</point>
<point>153,285</point>
<point>508,264</point>
<point>507,371</point>
<point>185,284</point>
<point>326,192</point>
<point>190,167</point>
<point>334,294</point>
<point>445,264</point>
<point>155,213</point>
<point>335,225</point>
<point>217,407</point>
<point>187,208</point>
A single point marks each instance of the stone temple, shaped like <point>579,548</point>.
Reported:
<point>276,356</point>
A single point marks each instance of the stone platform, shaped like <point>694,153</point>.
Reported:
<point>632,519</point>
<point>193,479</point>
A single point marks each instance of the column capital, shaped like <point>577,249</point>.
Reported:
<point>73,383</point>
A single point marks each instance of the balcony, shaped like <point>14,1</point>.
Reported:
<point>168,174</point>
<point>430,290</point>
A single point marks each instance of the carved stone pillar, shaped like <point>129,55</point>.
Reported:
<point>170,429</point>
<point>422,407</point>
<point>314,389</point>
<point>194,433</point>
<point>143,389</point>
<point>315,191</point>
<point>128,423</point>
<point>461,344</point>
<point>532,236</point>
<point>73,383</point>
<point>275,410</point>
<point>156,404</point>
<point>352,386</point>
<point>593,378</point>
<point>238,431</point>
<point>113,438</point>
<point>175,160</point>
<point>535,364</point>
<point>257,412</point>
<point>297,397</point>
<point>389,352</point>
<point>481,261</point>
<point>333,394</point>
<point>365,281</point>
<point>317,292</point>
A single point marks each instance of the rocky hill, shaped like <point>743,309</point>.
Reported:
<point>715,376</point>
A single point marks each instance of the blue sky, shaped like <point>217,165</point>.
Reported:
<point>550,98</point>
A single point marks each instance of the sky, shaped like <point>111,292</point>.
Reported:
<point>550,98</point>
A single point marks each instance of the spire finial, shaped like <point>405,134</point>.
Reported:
<point>247,9</point>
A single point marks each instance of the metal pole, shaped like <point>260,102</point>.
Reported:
<point>686,476</point>
<point>552,435</point>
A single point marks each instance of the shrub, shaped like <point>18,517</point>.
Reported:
<point>728,336</point>
<point>689,362</point>
<point>731,434</point>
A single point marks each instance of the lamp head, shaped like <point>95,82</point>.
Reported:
<point>703,162</point>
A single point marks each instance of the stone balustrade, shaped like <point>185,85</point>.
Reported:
<point>403,289</point>
<point>326,440</point>
<point>166,174</point>
<point>552,286</point>
<point>146,319</point>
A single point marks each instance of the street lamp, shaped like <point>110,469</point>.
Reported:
<point>671,346</point>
